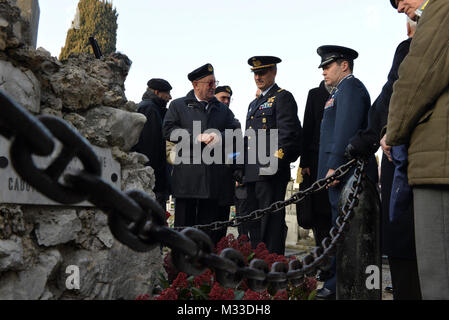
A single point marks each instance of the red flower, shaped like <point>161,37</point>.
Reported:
<point>251,295</point>
<point>180,282</point>
<point>207,278</point>
<point>311,283</point>
<point>261,251</point>
<point>219,293</point>
<point>143,297</point>
<point>281,295</point>
<point>168,294</point>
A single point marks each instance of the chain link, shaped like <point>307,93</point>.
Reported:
<point>277,206</point>
<point>137,220</point>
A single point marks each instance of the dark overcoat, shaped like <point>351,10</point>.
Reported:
<point>151,141</point>
<point>398,237</point>
<point>192,180</point>
<point>317,207</point>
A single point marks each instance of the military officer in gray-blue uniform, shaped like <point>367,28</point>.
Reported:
<point>275,108</point>
<point>345,113</point>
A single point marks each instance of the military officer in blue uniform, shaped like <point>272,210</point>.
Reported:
<point>275,108</point>
<point>345,113</point>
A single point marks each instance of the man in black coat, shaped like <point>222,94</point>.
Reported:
<point>320,215</point>
<point>398,237</point>
<point>274,111</point>
<point>151,141</point>
<point>197,124</point>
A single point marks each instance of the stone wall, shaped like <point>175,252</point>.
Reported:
<point>38,243</point>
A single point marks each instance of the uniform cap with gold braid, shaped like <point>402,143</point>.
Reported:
<point>263,62</point>
<point>223,89</point>
<point>201,72</point>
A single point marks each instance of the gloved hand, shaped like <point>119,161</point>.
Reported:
<point>362,145</point>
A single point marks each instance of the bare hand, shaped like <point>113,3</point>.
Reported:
<point>333,184</point>
<point>386,148</point>
<point>305,171</point>
<point>213,139</point>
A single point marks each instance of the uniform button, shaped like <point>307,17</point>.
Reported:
<point>249,148</point>
<point>249,138</point>
<point>263,113</point>
<point>250,127</point>
<point>252,118</point>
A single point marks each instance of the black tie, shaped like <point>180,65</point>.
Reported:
<point>204,104</point>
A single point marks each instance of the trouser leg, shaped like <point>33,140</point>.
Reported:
<point>223,215</point>
<point>405,279</point>
<point>334,196</point>
<point>208,212</point>
<point>249,205</point>
<point>185,212</point>
<point>432,240</point>
<point>273,226</point>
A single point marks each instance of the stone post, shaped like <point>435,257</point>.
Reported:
<point>30,12</point>
<point>359,264</point>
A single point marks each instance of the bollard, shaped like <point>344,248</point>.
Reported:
<point>359,263</point>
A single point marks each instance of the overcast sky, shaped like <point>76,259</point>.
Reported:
<point>168,39</point>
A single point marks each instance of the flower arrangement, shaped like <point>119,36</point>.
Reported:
<point>180,286</point>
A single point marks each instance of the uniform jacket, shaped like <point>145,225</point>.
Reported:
<point>151,141</point>
<point>201,181</point>
<point>419,106</point>
<point>345,113</point>
<point>276,110</point>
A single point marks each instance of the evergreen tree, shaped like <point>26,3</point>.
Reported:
<point>93,18</point>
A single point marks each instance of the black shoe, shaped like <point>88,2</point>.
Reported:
<point>325,294</point>
<point>389,289</point>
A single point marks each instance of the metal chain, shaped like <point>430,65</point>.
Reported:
<point>137,220</point>
<point>277,206</point>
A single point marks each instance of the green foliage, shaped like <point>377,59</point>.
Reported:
<point>98,18</point>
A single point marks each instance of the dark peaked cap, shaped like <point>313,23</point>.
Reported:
<point>393,3</point>
<point>201,72</point>
<point>224,89</point>
<point>263,62</point>
<point>159,84</point>
<point>330,54</point>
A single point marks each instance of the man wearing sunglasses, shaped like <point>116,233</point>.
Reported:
<point>195,182</point>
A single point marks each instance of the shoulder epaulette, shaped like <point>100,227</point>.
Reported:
<point>280,90</point>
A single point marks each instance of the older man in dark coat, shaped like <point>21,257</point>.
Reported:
<point>188,122</point>
<point>398,237</point>
<point>151,141</point>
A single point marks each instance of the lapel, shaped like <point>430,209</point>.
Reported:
<point>257,103</point>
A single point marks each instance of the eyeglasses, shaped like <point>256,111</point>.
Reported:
<point>210,83</point>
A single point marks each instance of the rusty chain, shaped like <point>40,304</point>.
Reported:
<point>136,220</point>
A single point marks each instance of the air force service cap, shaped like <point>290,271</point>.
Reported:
<point>263,62</point>
<point>330,54</point>
<point>201,72</point>
<point>159,84</point>
<point>224,89</point>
